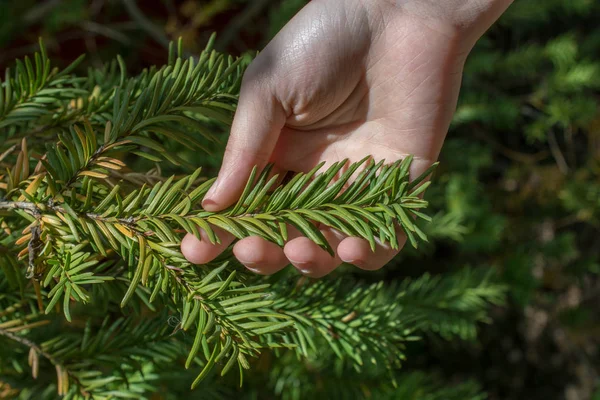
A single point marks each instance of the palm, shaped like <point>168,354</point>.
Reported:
<point>392,98</point>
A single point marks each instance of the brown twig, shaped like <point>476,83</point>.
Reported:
<point>30,344</point>
<point>36,211</point>
<point>561,162</point>
<point>21,205</point>
<point>34,247</point>
<point>35,347</point>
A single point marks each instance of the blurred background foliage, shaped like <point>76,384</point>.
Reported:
<point>518,189</point>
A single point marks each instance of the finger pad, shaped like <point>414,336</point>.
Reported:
<point>353,248</point>
<point>203,251</point>
<point>257,250</point>
<point>303,250</point>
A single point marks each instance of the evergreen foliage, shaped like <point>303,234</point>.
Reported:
<point>526,190</point>
<point>521,199</point>
<point>96,300</point>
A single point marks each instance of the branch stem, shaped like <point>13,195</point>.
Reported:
<point>36,211</point>
<point>31,208</point>
<point>31,345</point>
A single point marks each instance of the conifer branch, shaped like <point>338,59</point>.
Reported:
<point>26,342</point>
<point>82,233</point>
<point>20,205</point>
<point>142,230</point>
<point>63,374</point>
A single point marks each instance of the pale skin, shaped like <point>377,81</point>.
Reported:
<point>344,79</point>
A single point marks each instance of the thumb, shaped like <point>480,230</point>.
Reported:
<point>256,127</point>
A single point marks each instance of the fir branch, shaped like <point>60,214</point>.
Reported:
<point>93,237</point>
<point>320,377</point>
<point>30,208</point>
<point>450,305</point>
<point>33,89</point>
<point>372,324</point>
<point>26,342</point>
<point>63,373</point>
<point>141,228</point>
<point>170,100</point>
<point>36,210</point>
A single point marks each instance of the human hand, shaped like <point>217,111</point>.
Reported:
<point>343,80</point>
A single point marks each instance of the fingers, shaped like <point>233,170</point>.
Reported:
<point>260,256</point>
<point>203,251</point>
<point>357,251</point>
<point>256,126</point>
<point>310,259</point>
<point>266,258</point>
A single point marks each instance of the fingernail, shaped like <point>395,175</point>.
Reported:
<point>207,204</point>
<point>208,201</point>
<point>252,267</point>
<point>304,267</point>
